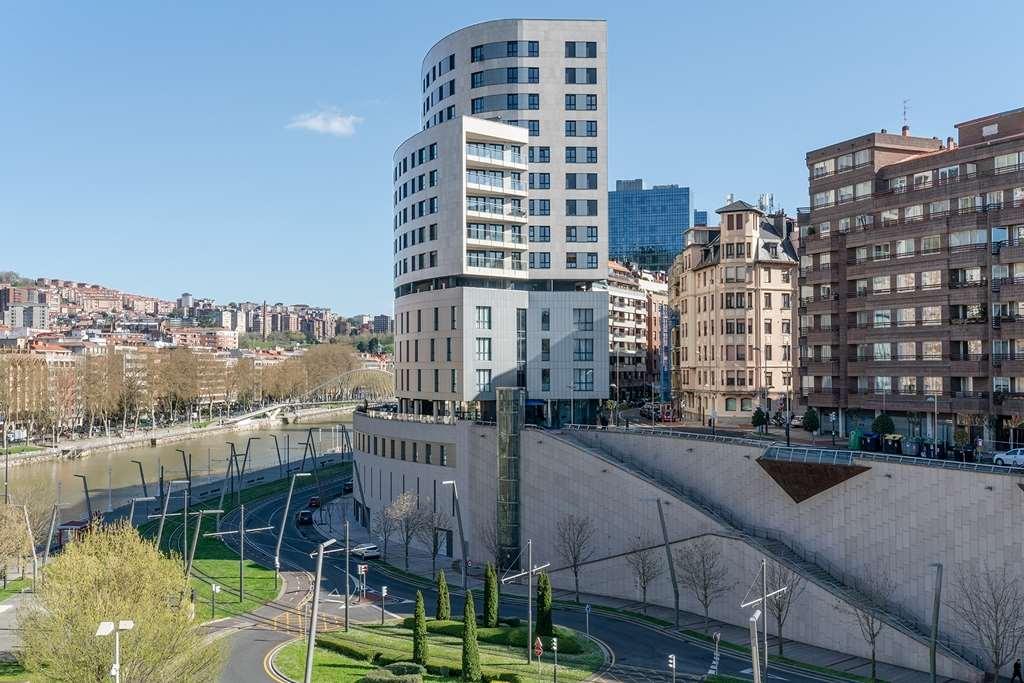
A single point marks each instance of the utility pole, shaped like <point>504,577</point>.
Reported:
<point>668,557</point>
<point>935,619</point>
<point>530,571</point>
<point>311,642</point>
<point>241,531</point>
<point>284,521</point>
<point>347,586</point>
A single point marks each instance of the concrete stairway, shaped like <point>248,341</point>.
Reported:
<point>773,544</point>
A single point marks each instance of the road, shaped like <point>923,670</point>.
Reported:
<point>640,651</point>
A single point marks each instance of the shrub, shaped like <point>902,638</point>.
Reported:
<point>351,650</point>
<point>883,425</point>
<point>811,421</point>
<point>386,676</point>
<point>504,677</point>
<point>470,648</point>
<point>490,597</point>
<point>444,603</point>
<point>545,626</point>
<point>758,419</point>
<point>406,668</point>
<point>419,632</point>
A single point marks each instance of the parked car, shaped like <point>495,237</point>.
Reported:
<point>303,518</point>
<point>313,503</point>
<point>367,551</point>
<point>647,410</point>
<point>797,421</point>
<point>1013,458</point>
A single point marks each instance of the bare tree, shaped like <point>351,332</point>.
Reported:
<point>876,587</point>
<point>703,572</point>
<point>990,602</point>
<point>646,561</point>
<point>385,525</point>
<point>780,604</point>
<point>410,520</point>
<point>488,533</point>
<point>432,522</point>
<point>575,543</point>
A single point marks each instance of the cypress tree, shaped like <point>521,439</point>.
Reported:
<point>470,648</point>
<point>419,632</point>
<point>545,627</point>
<point>444,603</point>
<point>490,597</point>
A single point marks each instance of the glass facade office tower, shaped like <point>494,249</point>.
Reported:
<point>647,227</point>
<point>500,232</point>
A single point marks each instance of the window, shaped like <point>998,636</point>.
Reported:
<point>545,350</point>
<point>905,282</point>
<point>448,349</point>
<point>845,162</point>
<point>904,248</point>
<point>483,317</point>
<point>580,49</point>
<point>483,348</point>
<point>545,379</point>
<point>540,233</point>
<point>583,349</point>
<point>570,129</point>
<point>767,300</point>
<point>539,155</point>
<point>540,207</point>
<point>583,319</point>
<point>483,381</point>
<point>545,319</point>
<point>540,259</point>
<point>540,181</point>
<point>730,405</point>
<point>583,379</point>
<point>823,168</point>
<point>931,244</point>
<point>591,103</point>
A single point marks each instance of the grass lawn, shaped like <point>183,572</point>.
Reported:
<point>347,657</point>
<point>13,587</point>
<point>23,448</point>
<point>11,672</point>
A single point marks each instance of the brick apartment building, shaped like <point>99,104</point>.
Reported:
<point>911,285</point>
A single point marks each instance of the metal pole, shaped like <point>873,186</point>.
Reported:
<point>7,469</point>
<point>88,502</point>
<point>110,487</point>
<point>195,542</point>
<point>241,553</point>
<point>311,643</point>
<point>117,653</point>
<point>755,658</point>
<point>32,545</point>
<point>529,600</point>
<point>284,521</point>
<point>49,537</point>
<point>764,606</point>
<point>668,556</point>
<point>163,517</point>
<point>935,619</point>
<point>462,537</point>
<point>347,586</point>
<point>184,528</point>
<point>142,476</point>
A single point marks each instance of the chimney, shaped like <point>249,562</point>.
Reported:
<point>884,131</point>
<point>950,144</point>
<point>906,131</point>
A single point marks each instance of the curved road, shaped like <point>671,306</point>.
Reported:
<point>640,650</point>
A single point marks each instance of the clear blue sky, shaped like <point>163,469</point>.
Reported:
<point>147,146</point>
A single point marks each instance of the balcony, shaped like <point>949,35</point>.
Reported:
<point>495,156</point>
<point>1008,326</point>
<point>487,211</point>
<point>495,185</point>
<point>811,365</point>
<point>506,265</point>
<point>822,397</point>
<point>819,304</point>
<point>918,401</point>
<point>491,238</point>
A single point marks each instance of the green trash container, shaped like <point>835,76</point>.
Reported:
<point>854,444</point>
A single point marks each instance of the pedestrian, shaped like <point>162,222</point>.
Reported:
<point>1016,672</point>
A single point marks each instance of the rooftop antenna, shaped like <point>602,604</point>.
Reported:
<point>906,109</point>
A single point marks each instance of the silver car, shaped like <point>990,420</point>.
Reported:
<point>1012,458</point>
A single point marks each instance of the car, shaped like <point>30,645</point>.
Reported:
<point>1012,458</point>
<point>366,551</point>
<point>797,421</point>
<point>347,487</point>
<point>303,518</point>
<point>314,502</point>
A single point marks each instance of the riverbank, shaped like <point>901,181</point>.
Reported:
<point>80,448</point>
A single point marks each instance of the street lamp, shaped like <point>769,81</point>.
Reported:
<point>105,629</point>
<point>935,431</point>
<point>131,508</point>
<point>572,404</point>
<point>462,537</point>
<point>284,521</point>
<point>311,643</point>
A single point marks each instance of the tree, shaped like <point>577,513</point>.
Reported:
<point>490,597</point>
<point>645,560</point>
<point>876,587</point>
<point>112,574</point>
<point>470,648</point>
<point>811,421</point>
<point>990,603</point>
<point>758,419</point>
<point>780,604</point>
<point>883,425</point>
<point>488,533</point>
<point>410,521</point>
<point>384,525</point>
<point>545,624</point>
<point>419,632</point>
<point>14,539</point>
<point>704,573</point>
<point>443,612</point>
<point>432,522</point>
<point>575,543</point>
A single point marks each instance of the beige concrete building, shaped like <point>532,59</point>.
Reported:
<point>635,302</point>
<point>732,288</point>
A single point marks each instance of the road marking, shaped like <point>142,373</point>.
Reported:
<point>750,671</point>
<point>4,608</point>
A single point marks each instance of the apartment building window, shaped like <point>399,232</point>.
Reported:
<point>453,388</point>
<point>431,349</point>
<point>570,102</point>
<point>545,349</point>
<point>767,300</point>
<point>483,381</point>
<point>787,301</point>
<point>483,317</point>
<point>437,382</point>
<point>545,379</point>
<point>591,103</point>
<point>583,379</point>
<point>432,231</point>
<point>540,207</point>
<point>540,260</point>
<point>416,350</point>
<point>583,319</point>
<point>580,207</point>
<point>570,129</point>
<point>580,49</point>
<point>571,260</point>
<point>539,155</point>
<point>767,327</point>
<point>419,380</point>
<point>443,454</point>
<point>583,349</point>
<point>540,233</point>
<point>419,320</point>
<point>587,76</point>
<point>787,326</point>
<point>545,319</point>
<point>448,349</point>
<point>591,260</point>
<point>540,181</point>
<point>483,348</point>
<point>581,181</point>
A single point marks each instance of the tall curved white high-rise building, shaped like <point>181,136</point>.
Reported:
<point>500,223</point>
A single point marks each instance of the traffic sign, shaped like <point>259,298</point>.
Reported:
<point>538,647</point>
<point>588,608</point>
<point>361,568</point>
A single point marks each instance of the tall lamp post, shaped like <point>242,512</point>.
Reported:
<point>311,642</point>
<point>105,629</point>
<point>935,424</point>
<point>284,521</point>
<point>462,536</point>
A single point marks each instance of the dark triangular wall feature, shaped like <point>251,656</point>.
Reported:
<point>802,480</point>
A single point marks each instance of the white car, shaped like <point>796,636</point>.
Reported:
<point>366,551</point>
<point>1012,458</point>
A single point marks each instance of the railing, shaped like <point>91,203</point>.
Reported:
<point>504,156</point>
<point>953,211</point>
<point>491,236</point>
<point>496,263</point>
<point>496,209</point>
<point>409,417</point>
<point>496,183</point>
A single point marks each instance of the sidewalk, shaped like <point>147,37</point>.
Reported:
<point>420,565</point>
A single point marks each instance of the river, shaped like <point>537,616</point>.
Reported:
<point>114,479</point>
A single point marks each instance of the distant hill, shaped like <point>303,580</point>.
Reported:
<point>9,277</point>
